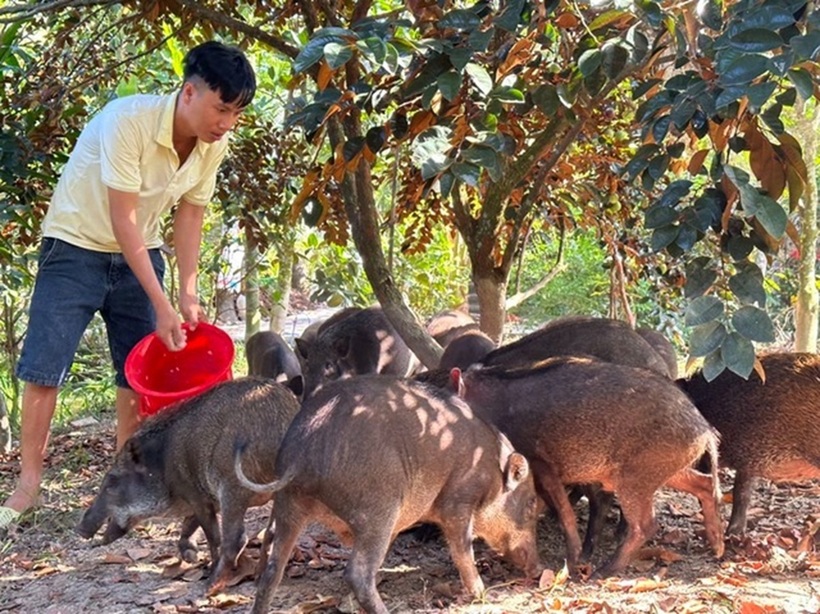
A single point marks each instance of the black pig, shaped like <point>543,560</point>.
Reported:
<point>610,340</point>
<point>364,342</point>
<point>372,455</point>
<point>582,421</point>
<point>180,463</point>
<point>269,355</point>
<point>767,429</point>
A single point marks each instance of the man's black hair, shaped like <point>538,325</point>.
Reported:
<point>225,69</point>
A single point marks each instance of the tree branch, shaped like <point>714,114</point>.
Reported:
<point>240,26</point>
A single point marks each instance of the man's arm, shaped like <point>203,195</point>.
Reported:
<point>123,207</point>
<point>187,239</point>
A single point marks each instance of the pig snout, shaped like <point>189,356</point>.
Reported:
<point>525,558</point>
<point>91,522</point>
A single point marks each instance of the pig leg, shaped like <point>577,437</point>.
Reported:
<point>233,543</point>
<point>187,548</point>
<point>457,530</point>
<point>264,552</point>
<point>600,502</point>
<point>289,525</point>
<point>708,493</point>
<point>205,514</point>
<point>741,497</point>
<point>638,511</point>
<point>551,489</point>
<point>368,553</point>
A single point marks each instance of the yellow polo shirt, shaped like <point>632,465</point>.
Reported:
<point>128,146</point>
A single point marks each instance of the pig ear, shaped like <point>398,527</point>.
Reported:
<point>134,453</point>
<point>342,346</point>
<point>456,381</point>
<point>516,471</point>
<point>302,347</point>
<point>296,385</point>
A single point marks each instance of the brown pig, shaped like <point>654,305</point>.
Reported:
<point>371,456</point>
<point>582,421</point>
<point>603,338</point>
<point>767,429</point>
<point>181,463</point>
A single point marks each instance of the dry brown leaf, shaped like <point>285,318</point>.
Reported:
<point>646,585</point>
<point>659,554</point>
<point>319,603</point>
<point>139,553</point>
<point>116,559</point>
<point>223,601</point>
<point>444,589</point>
<point>750,607</point>
<point>46,570</point>
<point>547,579</point>
<point>193,575</point>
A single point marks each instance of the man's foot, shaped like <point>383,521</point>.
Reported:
<point>20,501</point>
<point>8,517</point>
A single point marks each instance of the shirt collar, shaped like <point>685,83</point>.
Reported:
<point>165,132</point>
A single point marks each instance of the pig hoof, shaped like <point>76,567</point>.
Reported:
<point>189,555</point>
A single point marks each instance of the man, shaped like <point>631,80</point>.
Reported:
<point>101,237</point>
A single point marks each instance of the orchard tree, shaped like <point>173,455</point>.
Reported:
<point>493,114</point>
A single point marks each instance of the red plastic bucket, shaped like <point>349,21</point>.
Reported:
<point>162,377</point>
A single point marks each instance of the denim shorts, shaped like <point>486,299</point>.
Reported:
<point>72,285</point>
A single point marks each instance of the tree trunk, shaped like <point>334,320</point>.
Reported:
<point>253,315</point>
<point>281,296</point>
<point>806,310</point>
<point>362,214</point>
<point>491,288</point>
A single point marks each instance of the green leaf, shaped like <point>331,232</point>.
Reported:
<point>375,47</point>
<point>446,182</point>
<point>660,128</point>
<point>510,17</point>
<point>703,309</point>
<point>486,158</point>
<point>460,57</point>
<point>803,81</point>
<point>738,354</point>
<point>713,365</point>
<point>337,54</point>
<point>728,95</point>
<point>744,69</point>
<point>747,284</point>
<point>659,215</point>
<point>589,61</point>
<point>480,77</point>
<point>699,278</point>
<point>641,159</point>
<point>740,247</point>
<point>706,338</point>
<point>315,49</point>
<point>806,46</point>
<point>614,59</point>
<point>546,99</point>
<point>771,16</point>
<point>711,14</point>
<point>449,83</point>
<point>607,18</point>
<point>508,95</point>
<point>756,40</point>
<point>754,324</point>
<point>683,111</point>
<point>460,19</point>
<point>663,237</point>
<point>479,40</point>
<point>768,212</point>
<point>674,192</point>
<point>468,173</point>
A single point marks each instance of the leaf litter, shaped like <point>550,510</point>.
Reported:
<point>45,567</point>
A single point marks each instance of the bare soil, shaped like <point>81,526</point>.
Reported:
<point>46,567</point>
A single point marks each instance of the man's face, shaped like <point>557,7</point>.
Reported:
<point>207,115</point>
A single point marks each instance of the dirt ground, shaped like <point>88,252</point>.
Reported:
<point>46,567</point>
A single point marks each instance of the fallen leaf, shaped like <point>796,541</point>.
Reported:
<point>646,585</point>
<point>444,589</point>
<point>193,575</point>
<point>139,553</point>
<point>547,579</point>
<point>116,559</point>
<point>223,601</point>
<point>750,607</point>
<point>319,603</point>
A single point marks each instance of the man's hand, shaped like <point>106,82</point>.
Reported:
<point>169,328</point>
<point>190,308</point>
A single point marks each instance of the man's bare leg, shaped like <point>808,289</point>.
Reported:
<point>39,403</point>
<point>127,415</point>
